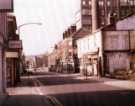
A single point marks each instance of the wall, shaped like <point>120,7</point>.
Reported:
<point>116,50</point>
<point>89,44</point>
<point>116,40</point>
<point>116,61</point>
<point>2,57</point>
<point>132,40</point>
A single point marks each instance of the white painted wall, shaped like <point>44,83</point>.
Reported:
<point>89,44</point>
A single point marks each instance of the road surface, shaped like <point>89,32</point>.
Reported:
<point>44,89</point>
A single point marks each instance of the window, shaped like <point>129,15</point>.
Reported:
<point>109,3</point>
<point>86,20</point>
<point>101,3</point>
<point>89,2</point>
<point>123,2</point>
<point>132,2</point>
<point>84,2</point>
<point>86,12</point>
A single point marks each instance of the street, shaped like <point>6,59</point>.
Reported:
<point>53,89</point>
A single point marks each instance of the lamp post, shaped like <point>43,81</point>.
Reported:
<point>18,28</point>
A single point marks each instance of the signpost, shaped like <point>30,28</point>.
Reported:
<point>6,5</point>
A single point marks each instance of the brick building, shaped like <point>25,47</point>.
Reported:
<point>64,56</point>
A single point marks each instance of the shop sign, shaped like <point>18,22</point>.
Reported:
<point>6,5</point>
<point>15,44</point>
<point>12,55</point>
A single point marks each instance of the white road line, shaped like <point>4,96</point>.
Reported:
<point>38,90</point>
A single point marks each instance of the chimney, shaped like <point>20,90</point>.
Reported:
<point>94,16</point>
<point>73,29</point>
<point>64,35</point>
<point>68,32</point>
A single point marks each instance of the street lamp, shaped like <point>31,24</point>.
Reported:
<point>18,28</point>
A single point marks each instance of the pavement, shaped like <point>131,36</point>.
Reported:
<point>54,89</point>
<point>25,94</point>
<point>125,84</point>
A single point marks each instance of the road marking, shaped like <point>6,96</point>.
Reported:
<point>37,83</point>
<point>54,101</point>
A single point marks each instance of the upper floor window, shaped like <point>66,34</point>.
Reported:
<point>108,3</point>
<point>132,2</point>
<point>90,3</point>
<point>101,3</point>
<point>84,2</point>
<point>123,2</point>
<point>86,12</point>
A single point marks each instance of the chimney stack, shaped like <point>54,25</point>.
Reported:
<point>73,29</point>
<point>64,35</point>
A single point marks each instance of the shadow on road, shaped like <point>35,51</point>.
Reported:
<point>82,93</point>
<point>62,80</point>
<point>27,100</point>
<point>98,98</point>
<point>48,79</point>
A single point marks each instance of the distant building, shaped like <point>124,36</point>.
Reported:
<point>52,60</point>
<point>65,55</point>
<point>30,61</point>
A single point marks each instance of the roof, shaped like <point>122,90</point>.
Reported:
<point>82,32</point>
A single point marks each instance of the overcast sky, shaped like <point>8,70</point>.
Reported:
<point>55,16</point>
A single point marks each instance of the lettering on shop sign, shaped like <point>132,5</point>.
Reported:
<point>15,44</point>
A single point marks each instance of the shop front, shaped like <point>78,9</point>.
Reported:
<point>12,65</point>
<point>90,64</point>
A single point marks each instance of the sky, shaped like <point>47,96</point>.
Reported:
<point>55,15</point>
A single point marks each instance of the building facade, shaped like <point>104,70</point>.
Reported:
<point>108,51</point>
<point>13,52</point>
<point>3,44</point>
<point>99,13</point>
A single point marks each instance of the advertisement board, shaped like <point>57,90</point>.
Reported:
<point>6,5</point>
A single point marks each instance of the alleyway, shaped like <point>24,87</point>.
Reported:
<point>52,89</point>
